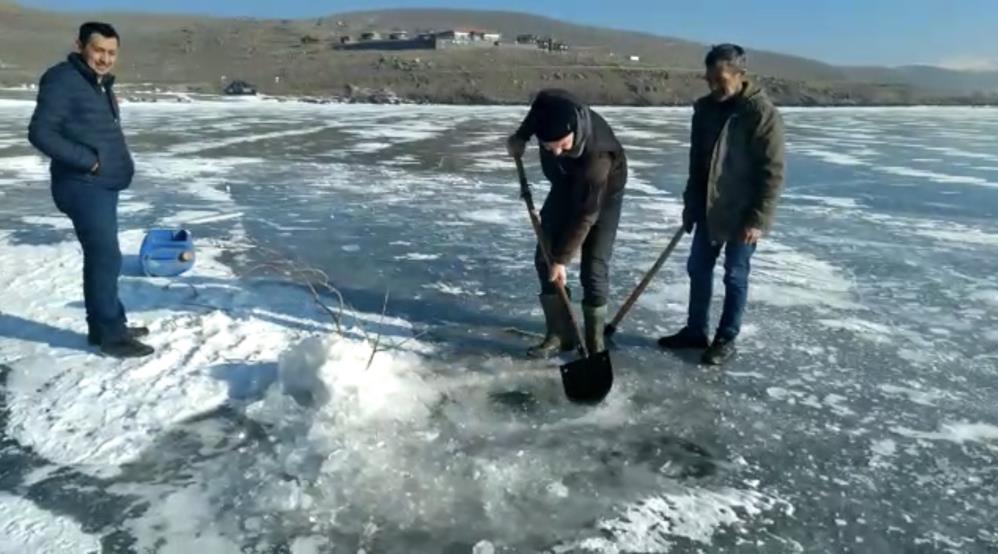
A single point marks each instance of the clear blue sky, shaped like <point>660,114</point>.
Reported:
<point>890,32</point>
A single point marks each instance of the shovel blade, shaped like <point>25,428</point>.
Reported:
<point>589,380</point>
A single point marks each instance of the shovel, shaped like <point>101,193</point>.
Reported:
<point>589,379</point>
<point>611,328</point>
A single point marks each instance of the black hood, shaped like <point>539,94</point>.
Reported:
<point>583,129</point>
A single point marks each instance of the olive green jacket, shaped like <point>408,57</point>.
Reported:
<point>741,185</point>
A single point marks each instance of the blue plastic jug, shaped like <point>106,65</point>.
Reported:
<point>166,252</point>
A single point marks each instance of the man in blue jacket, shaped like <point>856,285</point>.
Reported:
<point>77,124</point>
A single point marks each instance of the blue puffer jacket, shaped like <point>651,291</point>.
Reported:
<point>77,124</point>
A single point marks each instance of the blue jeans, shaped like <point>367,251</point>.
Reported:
<point>94,213</point>
<point>703,257</point>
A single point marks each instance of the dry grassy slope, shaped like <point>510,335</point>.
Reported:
<point>198,51</point>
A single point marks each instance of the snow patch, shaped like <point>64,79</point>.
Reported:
<point>830,201</point>
<point>867,330</point>
<point>957,153</point>
<point>310,545</point>
<point>369,147</point>
<point>489,165</point>
<point>493,216</point>
<point>828,156</point>
<point>483,547</point>
<point>333,372</point>
<point>960,433</point>
<point>935,177</point>
<point>98,413</point>
<point>960,235</point>
<point>881,450</point>
<point>132,207</point>
<point>414,130</point>
<point>653,524</point>
<point>918,396</point>
<point>636,184</point>
<point>454,290</point>
<point>417,257</point>
<point>836,403</point>
<point>26,528</point>
<point>56,222</point>
<point>187,518</point>
<point>633,134</point>
<point>196,147</point>
<point>24,169</point>
<point>786,277</point>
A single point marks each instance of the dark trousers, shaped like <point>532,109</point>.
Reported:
<point>703,257</point>
<point>94,213</point>
<point>596,250</point>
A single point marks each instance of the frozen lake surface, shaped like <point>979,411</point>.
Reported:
<point>861,415</point>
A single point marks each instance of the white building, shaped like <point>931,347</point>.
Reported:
<point>470,35</point>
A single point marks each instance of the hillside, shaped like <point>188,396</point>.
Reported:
<point>930,78</point>
<point>296,57</point>
<point>666,52</point>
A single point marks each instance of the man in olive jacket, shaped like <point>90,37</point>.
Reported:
<point>77,124</point>
<point>735,180</point>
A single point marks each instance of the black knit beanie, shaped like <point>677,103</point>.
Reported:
<point>556,120</point>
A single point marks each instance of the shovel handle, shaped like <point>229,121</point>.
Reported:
<point>646,280</point>
<point>535,221</point>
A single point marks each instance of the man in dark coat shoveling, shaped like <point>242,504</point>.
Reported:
<point>587,168</point>
<point>735,180</point>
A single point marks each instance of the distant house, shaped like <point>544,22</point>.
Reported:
<point>634,58</point>
<point>551,45</point>
<point>240,88</point>
<point>470,35</point>
<point>467,37</point>
<point>395,40</point>
<point>454,35</point>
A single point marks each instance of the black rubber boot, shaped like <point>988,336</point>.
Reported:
<point>126,347</point>
<point>595,318</point>
<point>558,336</point>
<point>93,339</point>
<point>684,339</point>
